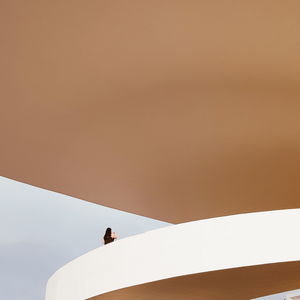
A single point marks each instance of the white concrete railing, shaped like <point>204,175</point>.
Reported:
<point>293,296</point>
<point>188,248</point>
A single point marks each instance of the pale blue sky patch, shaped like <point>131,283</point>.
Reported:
<point>42,230</point>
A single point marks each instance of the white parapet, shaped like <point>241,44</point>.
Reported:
<point>293,296</point>
<point>188,248</point>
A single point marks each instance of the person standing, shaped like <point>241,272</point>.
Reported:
<point>109,236</point>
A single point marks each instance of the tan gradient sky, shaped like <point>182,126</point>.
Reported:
<point>176,110</point>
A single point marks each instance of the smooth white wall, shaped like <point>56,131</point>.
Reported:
<point>280,296</point>
<point>194,247</point>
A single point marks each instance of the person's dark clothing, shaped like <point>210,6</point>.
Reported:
<point>108,240</point>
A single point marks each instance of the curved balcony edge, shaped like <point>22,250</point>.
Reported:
<point>189,248</point>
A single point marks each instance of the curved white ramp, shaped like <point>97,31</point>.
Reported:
<point>188,248</point>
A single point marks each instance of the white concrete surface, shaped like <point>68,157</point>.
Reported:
<point>188,248</point>
<point>293,296</point>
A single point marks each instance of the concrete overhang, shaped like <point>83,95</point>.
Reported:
<point>235,257</point>
<point>240,283</point>
<point>176,110</point>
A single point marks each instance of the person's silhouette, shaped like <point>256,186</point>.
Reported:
<point>109,236</point>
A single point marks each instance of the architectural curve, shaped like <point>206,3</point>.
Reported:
<point>209,245</point>
<point>165,100</point>
<point>231,284</point>
<point>190,108</point>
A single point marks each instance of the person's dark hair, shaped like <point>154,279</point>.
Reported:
<point>107,234</point>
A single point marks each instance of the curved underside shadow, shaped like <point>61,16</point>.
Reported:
<point>232,284</point>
